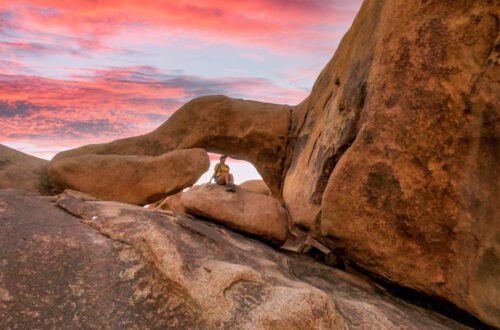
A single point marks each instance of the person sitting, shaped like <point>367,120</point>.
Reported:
<point>222,175</point>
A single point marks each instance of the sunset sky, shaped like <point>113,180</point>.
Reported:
<point>86,71</point>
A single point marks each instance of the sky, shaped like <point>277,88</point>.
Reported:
<point>75,72</point>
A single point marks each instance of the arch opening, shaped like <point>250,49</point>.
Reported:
<point>241,170</point>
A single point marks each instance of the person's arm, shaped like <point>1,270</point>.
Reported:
<point>213,175</point>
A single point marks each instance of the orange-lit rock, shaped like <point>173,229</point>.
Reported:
<point>21,171</point>
<point>130,179</point>
<point>395,160</point>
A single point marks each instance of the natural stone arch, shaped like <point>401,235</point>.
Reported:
<point>253,131</point>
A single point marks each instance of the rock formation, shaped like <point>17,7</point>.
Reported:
<point>258,186</point>
<point>392,161</point>
<point>254,131</point>
<point>115,265</point>
<point>130,179</point>
<point>22,171</point>
<point>399,142</point>
<point>245,211</point>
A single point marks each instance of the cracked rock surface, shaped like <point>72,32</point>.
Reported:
<point>76,262</point>
<point>395,160</point>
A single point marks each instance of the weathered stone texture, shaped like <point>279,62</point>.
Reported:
<point>395,159</point>
<point>119,266</point>
<point>21,171</point>
<point>243,210</point>
<point>254,131</point>
<point>130,179</point>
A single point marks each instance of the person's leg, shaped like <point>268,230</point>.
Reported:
<point>230,185</point>
<point>222,180</point>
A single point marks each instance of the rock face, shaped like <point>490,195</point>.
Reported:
<point>130,179</point>
<point>120,266</point>
<point>244,210</point>
<point>21,171</point>
<point>258,186</point>
<point>399,145</point>
<point>393,160</point>
<point>254,131</point>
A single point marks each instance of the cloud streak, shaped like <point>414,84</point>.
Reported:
<point>109,103</point>
<point>78,72</point>
<point>307,26</point>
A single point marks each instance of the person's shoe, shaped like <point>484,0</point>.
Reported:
<point>230,187</point>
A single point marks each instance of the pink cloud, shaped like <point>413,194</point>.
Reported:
<point>304,25</point>
<point>13,66</point>
<point>109,103</point>
<point>97,105</point>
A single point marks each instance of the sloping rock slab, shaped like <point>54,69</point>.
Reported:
<point>140,269</point>
<point>57,273</point>
<point>130,179</point>
<point>22,171</point>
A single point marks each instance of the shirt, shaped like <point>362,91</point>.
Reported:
<point>221,169</point>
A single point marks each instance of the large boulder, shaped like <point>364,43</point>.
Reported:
<point>119,266</point>
<point>243,210</point>
<point>395,154</point>
<point>21,171</point>
<point>254,131</point>
<point>258,186</point>
<point>130,179</point>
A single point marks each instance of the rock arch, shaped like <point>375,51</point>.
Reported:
<point>253,131</point>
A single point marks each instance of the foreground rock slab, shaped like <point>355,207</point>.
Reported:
<point>21,171</point>
<point>243,210</point>
<point>130,179</point>
<point>119,266</point>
